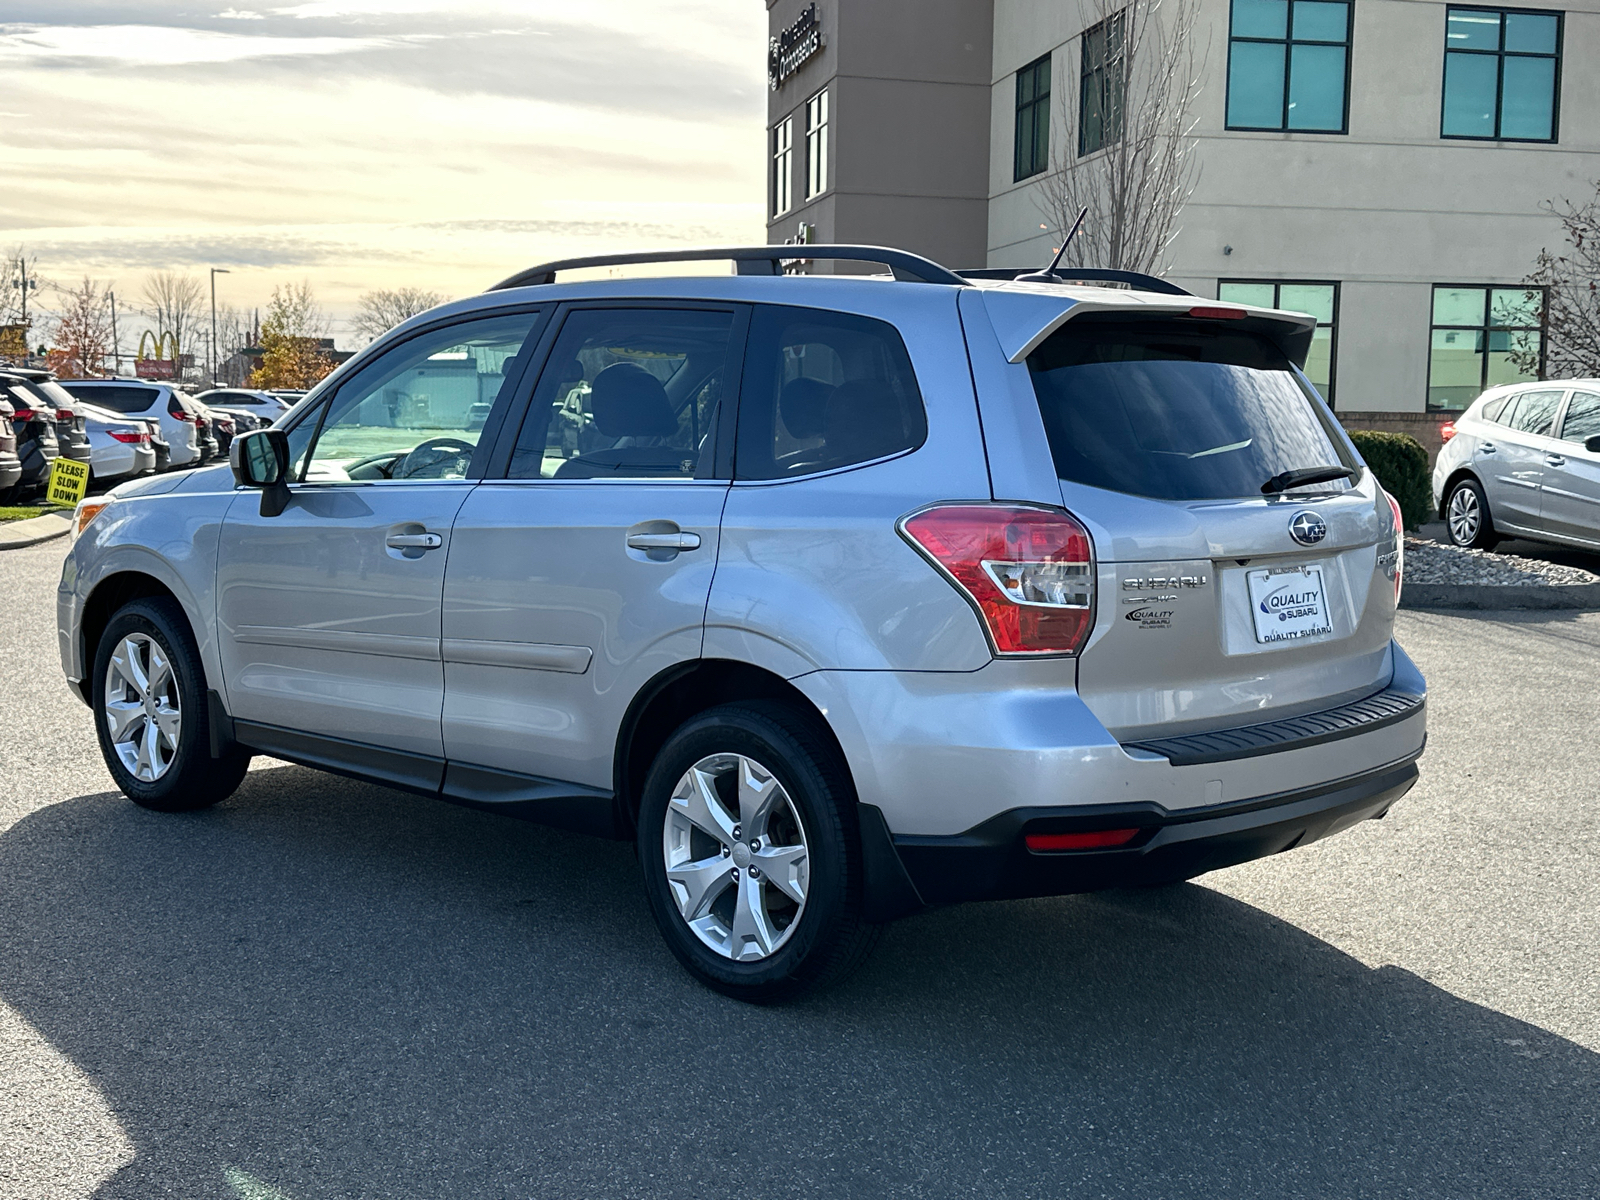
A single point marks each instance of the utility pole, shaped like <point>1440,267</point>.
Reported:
<point>26,285</point>
<point>211,359</point>
<point>116,346</point>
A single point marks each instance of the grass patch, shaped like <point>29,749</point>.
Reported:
<point>24,512</point>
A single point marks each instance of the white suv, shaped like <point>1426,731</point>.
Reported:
<point>136,398</point>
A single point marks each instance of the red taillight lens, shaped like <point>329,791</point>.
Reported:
<point>1219,314</point>
<point>1097,839</point>
<point>1447,431</point>
<point>128,436</point>
<point>1399,545</point>
<point>66,414</point>
<point>1028,571</point>
<point>26,414</point>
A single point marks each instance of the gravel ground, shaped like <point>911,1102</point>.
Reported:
<point>325,990</point>
<point>1428,561</point>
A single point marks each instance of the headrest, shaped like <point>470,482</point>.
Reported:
<point>864,420</point>
<point>628,401</point>
<point>803,403</point>
<point>568,372</point>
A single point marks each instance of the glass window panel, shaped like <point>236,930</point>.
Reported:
<point>1458,306</point>
<point>1514,307</point>
<point>1313,298</point>
<point>1319,21</point>
<point>1535,410</point>
<point>1319,361</point>
<point>1513,357</point>
<point>1527,98</point>
<point>1260,18</point>
<point>1469,94</point>
<point>1255,85</point>
<point>1466,30</point>
<point>1455,368</point>
<point>1531,33</point>
<point>1316,87</point>
<point>1582,421</point>
<point>1259,294</point>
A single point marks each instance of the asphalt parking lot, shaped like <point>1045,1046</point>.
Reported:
<point>321,989</point>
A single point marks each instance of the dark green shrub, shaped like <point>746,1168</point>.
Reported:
<point>1401,465</point>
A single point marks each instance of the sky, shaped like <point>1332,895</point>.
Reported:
<point>364,144</point>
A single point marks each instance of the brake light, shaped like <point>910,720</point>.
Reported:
<point>66,414</point>
<point>26,414</point>
<point>1447,431</point>
<point>1399,545</point>
<point>1219,314</point>
<point>128,436</point>
<point>1029,572</point>
<point>1097,839</point>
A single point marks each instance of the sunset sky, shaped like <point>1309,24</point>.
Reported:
<point>374,143</point>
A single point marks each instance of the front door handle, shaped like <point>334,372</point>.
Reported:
<point>1554,460</point>
<point>663,541</point>
<point>414,541</point>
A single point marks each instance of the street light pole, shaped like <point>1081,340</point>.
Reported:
<point>211,359</point>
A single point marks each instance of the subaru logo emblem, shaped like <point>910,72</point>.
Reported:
<point>1307,528</point>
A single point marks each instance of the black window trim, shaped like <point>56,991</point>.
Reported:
<point>1331,399</point>
<point>1017,175</point>
<point>1483,374</point>
<point>1500,74</point>
<point>1287,42</point>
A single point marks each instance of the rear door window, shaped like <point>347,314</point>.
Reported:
<point>1177,410</point>
<point>824,390</point>
<point>1535,411</point>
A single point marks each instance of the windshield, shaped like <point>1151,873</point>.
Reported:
<point>1177,410</point>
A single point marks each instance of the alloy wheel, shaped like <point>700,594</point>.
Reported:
<point>143,713</point>
<point>737,861</point>
<point>1465,517</point>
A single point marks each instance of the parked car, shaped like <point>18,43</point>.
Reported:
<point>1524,461</point>
<point>33,422</point>
<point>221,427</point>
<point>121,445</point>
<point>264,406</point>
<point>1011,589</point>
<point>159,401</point>
<point>39,389</point>
<point>10,464</point>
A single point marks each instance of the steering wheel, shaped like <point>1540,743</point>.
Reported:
<point>429,459</point>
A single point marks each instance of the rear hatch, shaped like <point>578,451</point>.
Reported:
<point>1226,595</point>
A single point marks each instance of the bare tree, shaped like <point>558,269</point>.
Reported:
<point>19,268</point>
<point>1569,282</point>
<point>293,311</point>
<point>1129,156</point>
<point>175,303</point>
<point>382,310</point>
<point>82,329</point>
<point>233,335</point>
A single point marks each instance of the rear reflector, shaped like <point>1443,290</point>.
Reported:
<point>1028,571</point>
<point>1219,314</point>
<point>1098,839</point>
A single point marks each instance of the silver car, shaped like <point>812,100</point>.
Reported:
<point>1524,461</point>
<point>850,596</point>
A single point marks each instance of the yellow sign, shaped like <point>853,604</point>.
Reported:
<point>69,480</point>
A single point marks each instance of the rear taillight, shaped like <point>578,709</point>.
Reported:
<point>66,414</point>
<point>26,414</point>
<point>1028,571</point>
<point>129,436</point>
<point>178,413</point>
<point>1399,550</point>
<point>1447,431</point>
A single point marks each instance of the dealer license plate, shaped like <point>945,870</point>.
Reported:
<point>1289,604</point>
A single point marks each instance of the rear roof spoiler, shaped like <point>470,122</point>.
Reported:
<point>1134,279</point>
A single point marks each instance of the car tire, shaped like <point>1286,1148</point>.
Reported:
<point>148,692</point>
<point>746,934</point>
<point>1466,516</point>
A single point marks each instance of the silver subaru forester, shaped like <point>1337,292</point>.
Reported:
<point>842,595</point>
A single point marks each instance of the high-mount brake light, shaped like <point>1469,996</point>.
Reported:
<point>1029,572</point>
<point>1447,431</point>
<point>1399,545</point>
<point>1219,314</point>
<point>1095,839</point>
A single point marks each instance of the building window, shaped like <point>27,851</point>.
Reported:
<point>817,144</point>
<point>782,163</point>
<point>1289,65</point>
<point>1482,336</point>
<point>1033,119</point>
<point>1101,86</point>
<point>1501,71</point>
<point>1321,300</point>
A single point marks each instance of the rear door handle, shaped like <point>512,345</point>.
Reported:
<point>414,541</point>
<point>1554,460</point>
<point>1487,447</point>
<point>664,541</point>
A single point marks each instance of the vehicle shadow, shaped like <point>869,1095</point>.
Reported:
<point>329,989</point>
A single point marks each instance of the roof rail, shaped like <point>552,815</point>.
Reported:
<point>750,260</point>
<point>1137,279</point>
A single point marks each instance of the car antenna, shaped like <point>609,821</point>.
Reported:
<point>1048,275</point>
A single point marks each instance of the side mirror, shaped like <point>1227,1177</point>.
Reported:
<point>260,459</point>
<point>1593,444</point>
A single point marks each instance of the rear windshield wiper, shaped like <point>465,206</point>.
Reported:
<point>1285,480</point>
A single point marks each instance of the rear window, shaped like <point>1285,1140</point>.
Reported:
<point>120,398</point>
<point>1176,411</point>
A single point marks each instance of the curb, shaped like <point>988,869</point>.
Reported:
<point>14,535</point>
<point>1500,597</point>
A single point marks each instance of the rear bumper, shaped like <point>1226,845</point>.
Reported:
<point>993,862</point>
